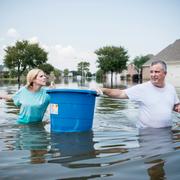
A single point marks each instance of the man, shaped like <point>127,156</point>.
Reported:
<point>156,98</point>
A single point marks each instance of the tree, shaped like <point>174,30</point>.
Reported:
<point>83,68</point>
<point>99,75</point>
<point>47,68</point>
<point>24,56</point>
<point>139,61</point>
<point>88,74</point>
<point>66,72</point>
<point>111,58</point>
<point>57,73</point>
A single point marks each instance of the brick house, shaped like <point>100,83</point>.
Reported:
<point>131,70</point>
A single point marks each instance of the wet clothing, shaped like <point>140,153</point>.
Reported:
<point>156,104</point>
<point>33,105</point>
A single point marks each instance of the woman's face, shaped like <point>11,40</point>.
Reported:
<point>41,79</point>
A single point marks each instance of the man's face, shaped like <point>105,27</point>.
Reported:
<point>157,75</point>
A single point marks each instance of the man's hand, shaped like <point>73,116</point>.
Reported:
<point>99,91</point>
<point>177,107</point>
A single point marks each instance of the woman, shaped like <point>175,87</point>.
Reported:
<point>32,98</point>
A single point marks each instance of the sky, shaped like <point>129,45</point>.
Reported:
<point>72,30</point>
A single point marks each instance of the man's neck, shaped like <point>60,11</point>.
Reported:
<point>160,85</point>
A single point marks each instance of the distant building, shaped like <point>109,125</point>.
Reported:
<point>3,70</point>
<point>131,71</point>
<point>171,55</point>
<point>70,74</point>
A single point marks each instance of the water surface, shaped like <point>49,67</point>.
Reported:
<point>114,149</point>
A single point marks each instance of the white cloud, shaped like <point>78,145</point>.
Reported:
<point>12,33</point>
<point>45,47</point>
<point>59,56</point>
<point>68,57</point>
<point>65,52</point>
<point>33,40</point>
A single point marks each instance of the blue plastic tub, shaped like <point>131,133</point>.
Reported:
<point>71,110</point>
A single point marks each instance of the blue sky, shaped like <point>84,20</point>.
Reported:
<point>71,30</point>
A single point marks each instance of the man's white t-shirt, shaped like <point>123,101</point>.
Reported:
<point>156,104</point>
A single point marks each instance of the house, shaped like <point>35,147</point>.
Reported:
<point>171,55</point>
<point>131,70</point>
<point>3,71</point>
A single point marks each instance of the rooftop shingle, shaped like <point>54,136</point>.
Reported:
<point>171,54</point>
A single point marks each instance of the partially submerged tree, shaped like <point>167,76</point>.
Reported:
<point>24,56</point>
<point>83,68</point>
<point>66,72</point>
<point>139,61</point>
<point>112,59</point>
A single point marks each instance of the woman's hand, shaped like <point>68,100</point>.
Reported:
<point>52,85</point>
<point>6,97</point>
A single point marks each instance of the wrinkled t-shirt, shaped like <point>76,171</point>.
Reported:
<point>155,104</point>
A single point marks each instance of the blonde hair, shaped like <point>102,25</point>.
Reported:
<point>31,75</point>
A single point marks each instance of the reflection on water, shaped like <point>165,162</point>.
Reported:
<point>113,149</point>
<point>70,147</point>
<point>154,143</point>
<point>32,137</point>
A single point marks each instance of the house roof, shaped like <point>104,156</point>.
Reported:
<point>171,54</point>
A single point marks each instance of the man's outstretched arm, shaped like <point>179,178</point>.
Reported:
<point>115,93</point>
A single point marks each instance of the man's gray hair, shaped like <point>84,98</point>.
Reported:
<point>163,64</point>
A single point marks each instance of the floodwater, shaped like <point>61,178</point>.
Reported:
<point>114,149</point>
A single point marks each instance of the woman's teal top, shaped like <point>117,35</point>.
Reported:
<point>33,105</point>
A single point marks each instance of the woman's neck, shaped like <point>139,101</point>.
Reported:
<point>34,88</point>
